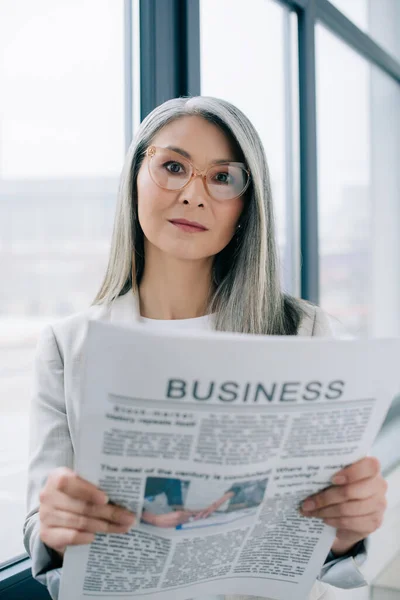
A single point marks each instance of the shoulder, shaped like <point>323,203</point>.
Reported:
<point>75,322</point>
<point>67,335</point>
<point>314,322</point>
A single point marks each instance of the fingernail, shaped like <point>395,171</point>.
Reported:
<point>338,479</point>
<point>105,499</point>
<point>308,505</point>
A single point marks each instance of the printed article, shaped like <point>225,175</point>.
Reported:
<point>213,440</point>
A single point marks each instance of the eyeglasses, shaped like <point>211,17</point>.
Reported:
<point>171,171</point>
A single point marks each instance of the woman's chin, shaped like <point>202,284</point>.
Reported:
<point>181,254</point>
<point>181,251</point>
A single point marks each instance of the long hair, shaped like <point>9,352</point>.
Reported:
<point>247,295</point>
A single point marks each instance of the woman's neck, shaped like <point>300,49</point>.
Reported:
<point>174,289</point>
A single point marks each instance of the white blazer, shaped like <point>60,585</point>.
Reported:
<point>54,417</point>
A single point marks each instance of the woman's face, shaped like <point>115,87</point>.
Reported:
<point>157,207</point>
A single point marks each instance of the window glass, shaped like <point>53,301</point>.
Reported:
<point>358,119</point>
<point>379,18</point>
<point>251,61</point>
<point>61,153</point>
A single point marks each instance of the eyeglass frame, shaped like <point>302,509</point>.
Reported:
<point>151,151</point>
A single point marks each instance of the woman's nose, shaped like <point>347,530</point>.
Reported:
<point>195,193</point>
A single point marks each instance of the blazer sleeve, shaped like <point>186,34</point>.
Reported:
<point>50,446</point>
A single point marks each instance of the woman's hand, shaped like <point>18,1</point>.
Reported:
<point>72,510</point>
<point>355,505</point>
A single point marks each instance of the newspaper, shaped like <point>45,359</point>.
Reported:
<point>213,440</point>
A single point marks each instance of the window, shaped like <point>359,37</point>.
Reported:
<point>62,150</point>
<point>249,57</point>
<point>379,18</point>
<point>358,120</point>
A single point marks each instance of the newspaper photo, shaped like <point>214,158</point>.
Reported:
<point>214,440</point>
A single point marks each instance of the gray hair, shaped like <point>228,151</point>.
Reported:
<point>247,297</point>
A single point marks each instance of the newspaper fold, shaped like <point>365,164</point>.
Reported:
<point>213,440</point>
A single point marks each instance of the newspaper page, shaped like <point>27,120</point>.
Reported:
<point>213,440</point>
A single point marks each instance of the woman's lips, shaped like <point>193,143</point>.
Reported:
<point>189,226</point>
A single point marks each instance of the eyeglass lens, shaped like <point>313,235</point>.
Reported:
<point>172,171</point>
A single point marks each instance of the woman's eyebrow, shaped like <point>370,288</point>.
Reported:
<point>187,155</point>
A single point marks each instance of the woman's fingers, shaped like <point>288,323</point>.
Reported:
<point>358,490</point>
<point>83,523</point>
<point>67,481</point>
<point>352,508</point>
<point>355,508</point>
<point>58,538</point>
<point>361,525</point>
<point>61,501</point>
<point>108,512</point>
<point>72,510</point>
<point>362,469</point>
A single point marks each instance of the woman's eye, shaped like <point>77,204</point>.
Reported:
<point>173,167</point>
<point>223,178</point>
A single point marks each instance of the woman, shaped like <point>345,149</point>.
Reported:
<point>187,251</point>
